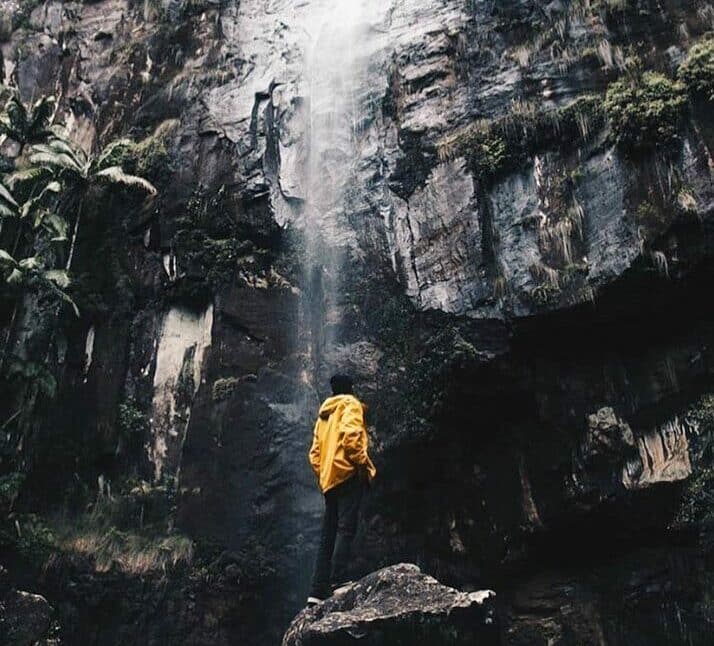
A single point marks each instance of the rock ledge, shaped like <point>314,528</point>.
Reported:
<point>399,604</point>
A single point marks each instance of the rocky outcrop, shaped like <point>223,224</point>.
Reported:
<point>24,617</point>
<point>398,604</point>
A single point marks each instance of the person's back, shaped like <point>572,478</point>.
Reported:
<point>339,447</point>
<point>340,460</point>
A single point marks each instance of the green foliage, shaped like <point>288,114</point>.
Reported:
<point>152,157</point>
<point>216,248</point>
<point>10,485</point>
<point>28,273</point>
<point>148,158</point>
<point>27,125</point>
<point>392,318</point>
<point>28,371</point>
<point>645,112</point>
<point>131,418</point>
<point>697,507</point>
<point>39,197</point>
<point>649,214</point>
<point>499,146</point>
<point>129,529</point>
<point>29,536</point>
<point>446,352</point>
<point>697,70</point>
<point>545,294</point>
<point>223,388</point>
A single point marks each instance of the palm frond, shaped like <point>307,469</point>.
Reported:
<point>6,259</point>
<point>56,161</point>
<point>36,204</point>
<point>55,225</point>
<point>40,116</point>
<point>57,276</point>
<point>30,263</point>
<point>31,174</point>
<point>16,277</point>
<point>115,175</point>
<point>62,145</point>
<point>15,119</point>
<point>54,276</point>
<point>6,197</point>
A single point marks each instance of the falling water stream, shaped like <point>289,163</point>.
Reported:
<point>338,43</point>
<point>336,90</point>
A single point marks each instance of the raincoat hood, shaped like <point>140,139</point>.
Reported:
<point>331,404</point>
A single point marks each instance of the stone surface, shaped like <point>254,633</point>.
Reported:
<point>397,605</point>
<point>24,618</point>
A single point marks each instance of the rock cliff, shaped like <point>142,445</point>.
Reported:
<point>505,237</point>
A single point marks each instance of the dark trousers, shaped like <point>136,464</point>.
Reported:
<point>339,526</point>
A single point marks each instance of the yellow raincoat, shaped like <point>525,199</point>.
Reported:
<point>339,445</point>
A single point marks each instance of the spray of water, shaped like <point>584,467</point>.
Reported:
<point>341,39</point>
<point>340,43</point>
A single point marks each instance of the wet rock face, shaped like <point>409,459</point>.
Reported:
<point>397,605</point>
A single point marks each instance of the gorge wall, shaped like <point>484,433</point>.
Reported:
<point>515,268</point>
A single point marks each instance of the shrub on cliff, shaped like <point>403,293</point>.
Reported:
<point>645,112</point>
<point>697,71</point>
<point>495,147</point>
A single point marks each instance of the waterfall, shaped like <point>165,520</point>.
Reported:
<point>321,165</point>
<point>336,89</point>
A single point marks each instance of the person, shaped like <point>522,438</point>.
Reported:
<point>340,460</point>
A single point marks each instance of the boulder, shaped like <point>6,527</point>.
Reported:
<point>24,618</point>
<point>397,605</point>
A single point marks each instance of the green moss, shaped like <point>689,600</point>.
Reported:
<point>500,146</point>
<point>208,259</point>
<point>697,70</point>
<point>149,157</point>
<point>445,352</point>
<point>223,388</point>
<point>131,418</point>
<point>645,112</point>
<point>152,157</point>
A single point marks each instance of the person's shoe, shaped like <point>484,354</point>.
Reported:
<point>313,601</point>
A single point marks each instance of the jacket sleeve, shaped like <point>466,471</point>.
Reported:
<point>355,434</point>
<point>315,453</point>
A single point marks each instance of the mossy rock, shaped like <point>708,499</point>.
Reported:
<point>646,112</point>
<point>223,388</point>
<point>494,148</point>
<point>697,70</point>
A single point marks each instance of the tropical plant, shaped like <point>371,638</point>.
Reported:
<point>8,206</point>
<point>27,125</point>
<point>79,173</point>
<point>34,271</point>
